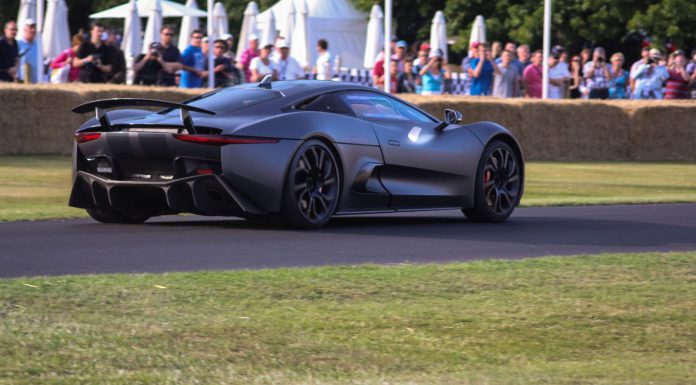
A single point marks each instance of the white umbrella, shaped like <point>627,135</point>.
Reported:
<point>269,32</point>
<point>188,25</point>
<point>300,37</point>
<point>27,10</point>
<point>248,27</point>
<point>56,39</point>
<point>169,9</point>
<point>132,38</point>
<point>478,31</point>
<point>438,34</point>
<point>375,36</point>
<point>286,32</point>
<point>154,24</point>
<point>220,21</point>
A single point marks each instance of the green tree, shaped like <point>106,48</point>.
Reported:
<point>668,21</point>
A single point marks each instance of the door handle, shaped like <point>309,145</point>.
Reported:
<point>393,142</point>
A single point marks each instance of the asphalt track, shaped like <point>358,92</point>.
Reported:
<point>198,243</point>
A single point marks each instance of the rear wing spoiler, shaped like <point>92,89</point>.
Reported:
<point>100,107</point>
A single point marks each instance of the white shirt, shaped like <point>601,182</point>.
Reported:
<point>261,68</point>
<point>288,69</point>
<point>557,72</point>
<point>324,70</point>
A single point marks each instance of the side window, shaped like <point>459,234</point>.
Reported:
<point>368,105</point>
<point>325,103</point>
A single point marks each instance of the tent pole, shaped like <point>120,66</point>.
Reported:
<point>387,44</point>
<point>547,44</point>
<point>211,44</point>
<point>39,41</point>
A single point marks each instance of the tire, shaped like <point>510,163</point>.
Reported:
<point>111,216</point>
<point>498,184</point>
<point>312,187</point>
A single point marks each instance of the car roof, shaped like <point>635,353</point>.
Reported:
<point>300,88</point>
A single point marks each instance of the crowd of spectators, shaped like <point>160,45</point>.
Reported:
<point>498,70</point>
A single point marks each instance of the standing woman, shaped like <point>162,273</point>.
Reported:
<point>63,69</point>
<point>262,65</point>
<point>433,75</point>
<point>618,85</point>
<point>576,77</point>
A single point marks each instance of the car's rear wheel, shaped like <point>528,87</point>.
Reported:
<point>498,184</point>
<point>112,216</point>
<point>312,186</point>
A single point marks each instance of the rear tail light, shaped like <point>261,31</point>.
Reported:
<point>222,140</point>
<point>83,137</point>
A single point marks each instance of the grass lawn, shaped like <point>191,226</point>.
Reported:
<point>609,319</point>
<point>37,187</point>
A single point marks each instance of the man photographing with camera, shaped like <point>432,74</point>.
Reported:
<point>161,62</point>
<point>93,57</point>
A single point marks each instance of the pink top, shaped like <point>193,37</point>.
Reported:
<point>532,80</point>
<point>65,58</point>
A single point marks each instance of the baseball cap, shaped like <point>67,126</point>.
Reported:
<point>474,45</point>
<point>435,53</point>
<point>655,54</point>
<point>283,43</point>
<point>424,47</point>
<point>253,37</point>
<point>401,44</point>
<point>226,36</point>
<point>29,21</point>
<point>155,45</point>
<point>556,51</point>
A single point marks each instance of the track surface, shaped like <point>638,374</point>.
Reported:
<point>199,243</point>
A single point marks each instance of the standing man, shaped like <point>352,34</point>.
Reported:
<point>558,74</point>
<point>28,53</point>
<point>117,75</point>
<point>93,57</point>
<point>288,68</point>
<point>323,68</point>
<point>225,73</point>
<point>247,56</point>
<point>644,53</point>
<point>506,78</point>
<point>9,53</point>
<point>481,72</point>
<point>193,62</point>
<point>532,76</point>
<point>171,58</point>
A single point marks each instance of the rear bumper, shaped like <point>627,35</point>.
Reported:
<point>201,194</point>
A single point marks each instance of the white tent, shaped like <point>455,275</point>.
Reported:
<point>478,31</point>
<point>169,9</point>
<point>300,49</point>
<point>375,36</point>
<point>27,10</point>
<point>269,32</point>
<point>132,39</point>
<point>249,27</point>
<point>438,34</point>
<point>188,25</point>
<point>56,36</point>
<point>220,21</point>
<point>289,25</point>
<point>337,21</point>
<point>154,24</point>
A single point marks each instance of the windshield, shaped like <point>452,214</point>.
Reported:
<point>231,99</point>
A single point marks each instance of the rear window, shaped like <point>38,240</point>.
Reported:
<point>232,99</point>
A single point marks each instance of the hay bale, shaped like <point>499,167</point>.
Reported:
<point>664,133</point>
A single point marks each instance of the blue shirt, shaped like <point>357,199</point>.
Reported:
<point>192,57</point>
<point>482,84</point>
<point>28,54</point>
<point>432,83</point>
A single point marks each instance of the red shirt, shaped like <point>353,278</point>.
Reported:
<point>677,87</point>
<point>378,72</point>
<point>532,80</point>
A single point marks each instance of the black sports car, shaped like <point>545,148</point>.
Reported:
<point>298,152</point>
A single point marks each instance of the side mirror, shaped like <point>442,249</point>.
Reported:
<point>452,116</point>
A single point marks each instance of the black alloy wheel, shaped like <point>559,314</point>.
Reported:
<point>313,186</point>
<point>498,184</point>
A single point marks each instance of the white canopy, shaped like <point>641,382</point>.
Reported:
<point>337,21</point>
<point>289,25</point>
<point>188,25</point>
<point>269,32</point>
<point>154,25</point>
<point>300,49</point>
<point>132,39</point>
<point>249,27</point>
<point>478,31</point>
<point>375,36</point>
<point>169,9</point>
<point>438,34</point>
<point>221,24</point>
<point>27,10</point>
<point>56,33</point>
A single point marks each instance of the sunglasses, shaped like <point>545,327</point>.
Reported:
<point>13,29</point>
<point>219,47</point>
<point>168,34</point>
<point>197,37</point>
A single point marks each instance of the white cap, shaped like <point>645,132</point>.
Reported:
<point>283,43</point>
<point>29,21</point>
<point>226,36</point>
<point>253,37</point>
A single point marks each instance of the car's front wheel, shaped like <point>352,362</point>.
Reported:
<point>111,216</point>
<point>498,184</point>
<point>312,186</point>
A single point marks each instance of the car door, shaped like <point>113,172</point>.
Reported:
<point>424,167</point>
